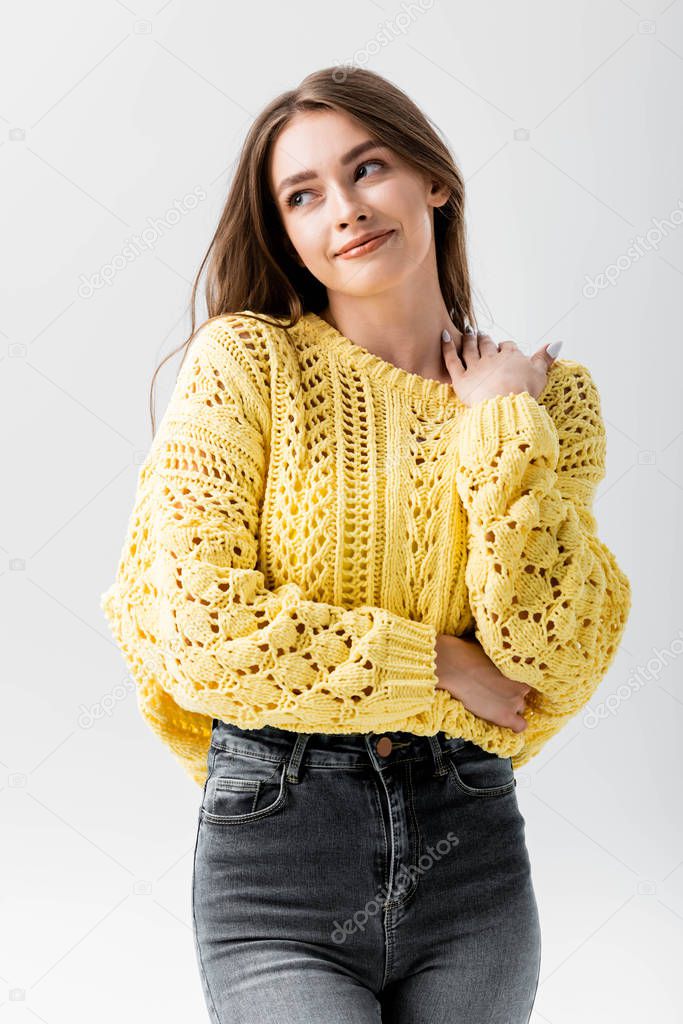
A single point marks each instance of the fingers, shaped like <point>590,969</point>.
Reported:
<point>470,348</point>
<point>452,349</point>
<point>547,354</point>
<point>466,349</point>
<point>518,725</point>
<point>522,708</point>
<point>487,345</point>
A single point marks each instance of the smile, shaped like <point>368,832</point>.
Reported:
<point>361,250</point>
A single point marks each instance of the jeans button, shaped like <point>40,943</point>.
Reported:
<point>384,746</point>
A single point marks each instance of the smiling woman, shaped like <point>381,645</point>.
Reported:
<point>347,582</point>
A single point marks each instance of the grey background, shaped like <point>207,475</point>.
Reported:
<point>565,118</point>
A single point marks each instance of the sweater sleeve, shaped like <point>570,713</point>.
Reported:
<point>190,603</point>
<point>549,599</point>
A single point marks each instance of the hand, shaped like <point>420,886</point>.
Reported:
<point>481,369</point>
<point>467,673</point>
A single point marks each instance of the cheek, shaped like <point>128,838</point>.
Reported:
<point>306,238</point>
<point>417,224</point>
<point>405,206</point>
<point>423,229</point>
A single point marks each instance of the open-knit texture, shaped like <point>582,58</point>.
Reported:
<point>310,517</point>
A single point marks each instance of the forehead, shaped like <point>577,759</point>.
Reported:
<point>313,140</point>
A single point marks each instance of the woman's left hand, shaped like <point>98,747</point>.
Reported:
<point>481,369</point>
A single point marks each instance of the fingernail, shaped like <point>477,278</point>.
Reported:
<point>446,335</point>
<point>469,329</point>
<point>554,349</point>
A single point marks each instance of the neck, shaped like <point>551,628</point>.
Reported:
<point>410,338</point>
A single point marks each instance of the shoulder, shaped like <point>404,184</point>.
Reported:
<point>246,346</point>
<point>572,401</point>
<point>248,333</point>
<point>572,398</point>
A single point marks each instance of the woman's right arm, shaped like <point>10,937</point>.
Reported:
<point>189,607</point>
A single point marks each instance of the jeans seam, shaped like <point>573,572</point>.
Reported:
<point>538,975</point>
<point>212,1004</point>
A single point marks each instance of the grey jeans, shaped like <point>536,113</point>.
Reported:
<point>379,877</point>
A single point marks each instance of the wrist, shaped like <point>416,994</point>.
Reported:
<point>445,657</point>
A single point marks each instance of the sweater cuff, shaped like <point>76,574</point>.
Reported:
<point>405,649</point>
<point>487,427</point>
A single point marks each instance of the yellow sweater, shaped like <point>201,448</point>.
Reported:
<point>309,517</point>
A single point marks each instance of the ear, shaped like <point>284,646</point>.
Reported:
<point>439,194</point>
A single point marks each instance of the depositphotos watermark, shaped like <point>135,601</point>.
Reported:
<point>388,30</point>
<point>638,678</point>
<point>138,244</point>
<point>638,247</point>
<point>87,716</point>
<point>406,876</point>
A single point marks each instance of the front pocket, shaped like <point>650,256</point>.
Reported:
<point>242,788</point>
<point>479,773</point>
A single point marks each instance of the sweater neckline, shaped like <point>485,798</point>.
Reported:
<point>379,369</point>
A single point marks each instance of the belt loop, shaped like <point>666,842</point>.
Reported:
<point>295,757</point>
<point>441,768</point>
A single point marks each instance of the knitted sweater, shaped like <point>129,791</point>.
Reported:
<point>310,517</point>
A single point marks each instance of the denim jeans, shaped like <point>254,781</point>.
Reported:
<point>379,877</point>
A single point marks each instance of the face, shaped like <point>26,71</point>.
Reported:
<point>345,195</point>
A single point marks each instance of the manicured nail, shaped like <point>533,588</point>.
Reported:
<point>446,336</point>
<point>554,349</point>
<point>469,329</point>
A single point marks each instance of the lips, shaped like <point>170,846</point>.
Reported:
<point>362,239</point>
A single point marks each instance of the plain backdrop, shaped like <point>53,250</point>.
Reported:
<point>566,120</point>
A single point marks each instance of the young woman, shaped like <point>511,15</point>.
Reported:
<point>361,583</point>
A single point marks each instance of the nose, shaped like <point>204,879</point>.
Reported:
<point>347,207</point>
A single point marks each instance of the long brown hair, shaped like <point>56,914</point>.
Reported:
<point>252,267</point>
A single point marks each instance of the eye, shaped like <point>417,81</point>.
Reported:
<point>302,192</point>
<point>380,163</point>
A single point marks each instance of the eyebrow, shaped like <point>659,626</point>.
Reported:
<point>362,147</point>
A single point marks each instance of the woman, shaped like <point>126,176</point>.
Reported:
<point>361,582</point>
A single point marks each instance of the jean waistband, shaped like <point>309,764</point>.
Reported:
<point>334,749</point>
